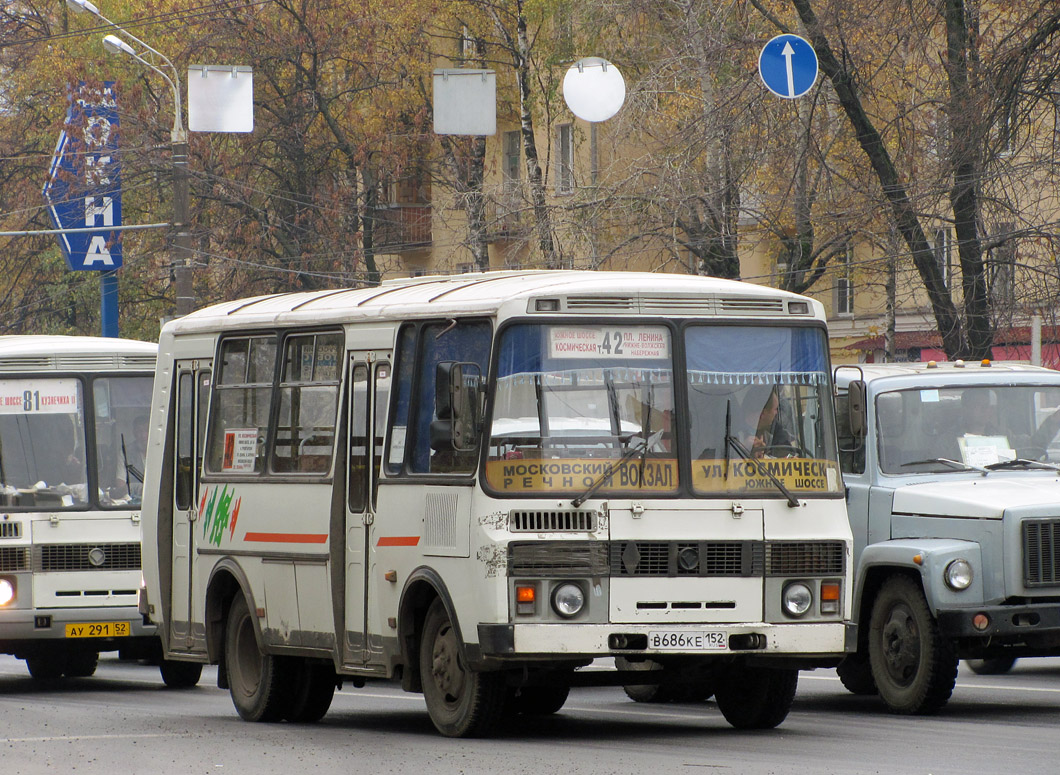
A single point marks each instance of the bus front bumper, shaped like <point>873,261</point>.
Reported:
<point>572,641</point>
<point>105,629</point>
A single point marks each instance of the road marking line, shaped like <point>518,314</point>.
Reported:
<point>989,687</point>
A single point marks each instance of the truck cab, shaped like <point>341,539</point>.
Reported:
<point>952,476</point>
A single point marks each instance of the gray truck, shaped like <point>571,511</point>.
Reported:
<point>952,473</point>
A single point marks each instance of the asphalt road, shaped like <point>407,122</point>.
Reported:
<point>123,720</point>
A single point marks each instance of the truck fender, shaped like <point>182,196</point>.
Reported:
<point>924,558</point>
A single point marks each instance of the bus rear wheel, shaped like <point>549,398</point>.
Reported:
<point>756,698</point>
<point>313,689</point>
<point>257,682</point>
<point>461,702</point>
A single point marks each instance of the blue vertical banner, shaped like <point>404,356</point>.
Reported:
<point>83,189</point>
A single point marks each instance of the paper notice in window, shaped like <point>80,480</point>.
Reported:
<point>985,450</point>
<point>241,449</point>
<point>623,342</point>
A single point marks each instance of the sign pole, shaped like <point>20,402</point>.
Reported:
<point>108,303</point>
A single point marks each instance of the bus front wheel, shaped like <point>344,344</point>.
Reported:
<point>179,675</point>
<point>256,681</point>
<point>461,702</point>
<point>756,697</point>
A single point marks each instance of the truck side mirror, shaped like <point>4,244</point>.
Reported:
<point>457,390</point>
<point>856,408</point>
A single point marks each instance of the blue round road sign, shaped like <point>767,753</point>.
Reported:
<point>788,66</point>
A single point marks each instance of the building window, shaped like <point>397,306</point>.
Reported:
<point>565,159</point>
<point>844,284</point>
<point>943,250</point>
<point>1002,266</point>
<point>511,157</point>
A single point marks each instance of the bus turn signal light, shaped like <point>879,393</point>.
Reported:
<point>525,598</point>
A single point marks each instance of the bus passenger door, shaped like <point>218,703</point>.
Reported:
<point>186,629</point>
<point>369,381</point>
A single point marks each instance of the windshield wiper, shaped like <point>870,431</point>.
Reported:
<point>732,441</point>
<point>956,465</point>
<point>632,450</point>
<point>1022,462</point>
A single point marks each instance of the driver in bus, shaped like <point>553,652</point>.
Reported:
<point>762,428</point>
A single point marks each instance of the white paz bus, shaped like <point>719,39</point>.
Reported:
<point>73,439</point>
<point>482,485</point>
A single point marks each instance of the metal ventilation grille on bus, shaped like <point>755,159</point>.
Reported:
<point>10,529</point>
<point>25,362</point>
<point>14,558</point>
<point>805,558</point>
<point>601,304</point>
<point>542,559</point>
<point>78,361</point>
<point>677,305</point>
<point>552,521</point>
<point>77,557</point>
<point>744,306</point>
<point>146,362</point>
<point>686,558</point>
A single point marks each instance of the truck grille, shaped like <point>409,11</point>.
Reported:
<point>1041,558</point>
<point>78,557</point>
<point>13,558</point>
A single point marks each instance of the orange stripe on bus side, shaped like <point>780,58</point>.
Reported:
<point>398,541</point>
<point>287,538</point>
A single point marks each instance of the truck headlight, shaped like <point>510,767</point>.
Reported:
<point>568,600</point>
<point>7,591</point>
<point>958,574</point>
<point>797,599</point>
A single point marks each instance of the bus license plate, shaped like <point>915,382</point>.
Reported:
<point>673,640</point>
<point>97,630</point>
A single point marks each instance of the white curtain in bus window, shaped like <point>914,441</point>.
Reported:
<point>309,389</point>
<point>240,409</point>
<point>42,444</point>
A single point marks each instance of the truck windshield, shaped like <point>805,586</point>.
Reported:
<point>978,425</point>
<point>593,409</point>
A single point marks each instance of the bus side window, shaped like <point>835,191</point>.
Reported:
<point>358,475</point>
<point>309,392</point>
<point>185,438</point>
<point>240,405</point>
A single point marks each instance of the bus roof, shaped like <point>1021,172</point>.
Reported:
<point>577,292</point>
<point>74,353</point>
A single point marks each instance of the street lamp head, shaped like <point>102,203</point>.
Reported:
<point>82,5</point>
<point>115,45</point>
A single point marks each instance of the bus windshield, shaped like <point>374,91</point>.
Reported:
<point>45,444</point>
<point>594,408</point>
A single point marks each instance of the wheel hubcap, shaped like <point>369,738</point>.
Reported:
<point>445,665</point>
<point>901,645</point>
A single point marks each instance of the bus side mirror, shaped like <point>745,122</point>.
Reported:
<point>457,388</point>
<point>856,408</point>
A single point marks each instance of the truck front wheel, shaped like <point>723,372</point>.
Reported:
<point>914,667</point>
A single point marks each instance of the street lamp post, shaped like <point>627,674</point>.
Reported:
<point>178,136</point>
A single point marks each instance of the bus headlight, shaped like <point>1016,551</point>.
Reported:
<point>568,600</point>
<point>797,599</point>
<point>7,590</point>
<point>958,575</point>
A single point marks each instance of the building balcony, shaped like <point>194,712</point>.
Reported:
<point>401,227</point>
<point>507,218</point>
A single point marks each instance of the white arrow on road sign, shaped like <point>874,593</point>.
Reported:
<point>788,66</point>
